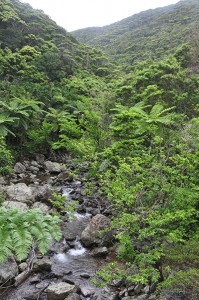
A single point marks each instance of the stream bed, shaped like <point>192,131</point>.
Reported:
<point>70,262</point>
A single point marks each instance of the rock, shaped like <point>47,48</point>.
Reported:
<point>43,207</point>
<point>35,279</point>
<point>141,297</point>
<point>43,264</point>
<point>15,204</point>
<point>40,158</point>
<point>35,164</point>
<point>33,169</point>
<point>87,291</point>
<point>85,275</point>
<point>110,296</point>
<point>20,192</point>
<point>8,271</point>
<point>53,167</point>
<point>138,288</point>
<point>74,228</point>
<point>146,290</point>
<point>92,234</point>
<point>130,291</point>
<point>19,168</point>
<point>153,287</point>
<point>42,193</point>
<point>73,296</point>
<point>59,291</point>
<point>2,180</point>
<point>153,297</point>
<point>99,252</point>
<point>23,266</point>
<point>30,294</point>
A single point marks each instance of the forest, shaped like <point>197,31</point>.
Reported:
<point>124,100</point>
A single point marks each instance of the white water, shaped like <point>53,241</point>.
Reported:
<point>66,192</point>
<point>78,249</point>
<point>82,216</point>
<point>61,257</point>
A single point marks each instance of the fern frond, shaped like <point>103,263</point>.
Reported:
<point>19,230</point>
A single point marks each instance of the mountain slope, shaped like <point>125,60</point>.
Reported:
<point>21,25</point>
<point>149,34</point>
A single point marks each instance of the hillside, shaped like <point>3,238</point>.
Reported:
<point>21,25</point>
<point>149,34</point>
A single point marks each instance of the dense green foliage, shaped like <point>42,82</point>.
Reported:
<point>137,131</point>
<point>149,34</point>
<point>22,230</point>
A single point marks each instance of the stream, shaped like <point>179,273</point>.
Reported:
<point>71,262</point>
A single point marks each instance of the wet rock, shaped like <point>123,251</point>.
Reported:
<point>73,296</point>
<point>42,285</point>
<point>97,232</point>
<point>74,228</point>
<point>67,272</point>
<point>19,168</point>
<point>43,207</point>
<point>35,279</point>
<point>20,192</point>
<point>69,281</point>
<point>31,295</point>
<point>85,275</point>
<point>43,264</point>
<point>59,291</point>
<point>87,291</point>
<point>15,204</point>
<point>58,247</point>
<point>110,296</point>
<point>53,167</point>
<point>8,271</point>
<point>99,252</point>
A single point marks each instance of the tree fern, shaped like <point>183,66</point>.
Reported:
<point>20,230</point>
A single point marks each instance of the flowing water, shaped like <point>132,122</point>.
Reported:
<point>74,266</point>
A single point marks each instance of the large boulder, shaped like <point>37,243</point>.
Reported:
<point>59,291</point>
<point>15,204</point>
<point>53,167</point>
<point>8,271</point>
<point>20,192</point>
<point>42,193</point>
<point>98,232</point>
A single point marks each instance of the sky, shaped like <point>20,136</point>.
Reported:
<point>78,14</point>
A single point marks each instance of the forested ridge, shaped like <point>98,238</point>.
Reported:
<point>128,110</point>
<point>149,34</point>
